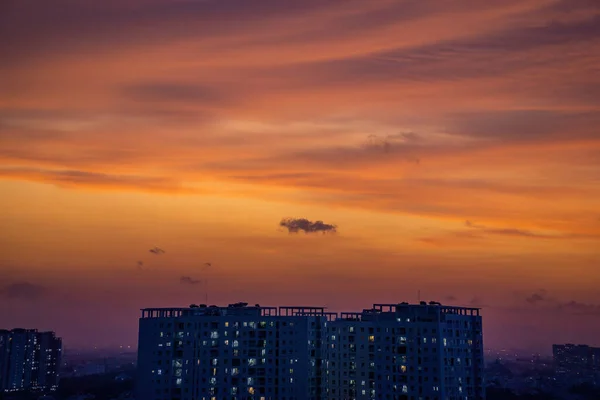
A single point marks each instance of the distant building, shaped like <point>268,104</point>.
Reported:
<point>89,369</point>
<point>392,351</point>
<point>572,358</point>
<point>29,360</point>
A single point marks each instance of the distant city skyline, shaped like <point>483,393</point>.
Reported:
<point>162,153</point>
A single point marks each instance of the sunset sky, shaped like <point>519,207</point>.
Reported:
<point>455,144</point>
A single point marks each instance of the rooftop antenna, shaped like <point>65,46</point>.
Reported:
<point>419,295</point>
<point>206,290</point>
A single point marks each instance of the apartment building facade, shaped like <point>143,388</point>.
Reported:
<point>29,360</point>
<point>406,352</point>
<point>234,352</point>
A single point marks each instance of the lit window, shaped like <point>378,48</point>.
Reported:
<point>371,338</point>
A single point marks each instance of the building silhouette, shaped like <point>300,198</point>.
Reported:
<point>391,351</point>
<point>575,358</point>
<point>29,360</point>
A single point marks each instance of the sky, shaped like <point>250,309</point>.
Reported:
<point>450,148</point>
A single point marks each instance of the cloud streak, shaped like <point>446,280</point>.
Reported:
<point>23,291</point>
<point>188,280</point>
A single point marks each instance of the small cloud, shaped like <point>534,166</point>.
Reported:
<point>390,143</point>
<point>537,297</point>
<point>450,297</point>
<point>188,280</point>
<point>156,250</point>
<point>295,225</point>
<point>23,290</point>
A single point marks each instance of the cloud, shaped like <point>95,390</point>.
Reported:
<point>578,308</point>
<point>188,280</point>
<point>157,251</point>
<point>450,297</point>
<point>542,300</point>
<point>23,290</point>
<point>176,92</point>
<point>295,225</point>
<point>74,178</point>
<point>516,232</point>
<point>537,297</point>
<point>392,144</point>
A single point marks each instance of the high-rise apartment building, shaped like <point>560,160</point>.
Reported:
<point>404,351</point>
<point>392,351</point>
<point>234,352</point>
<point>29,360</point>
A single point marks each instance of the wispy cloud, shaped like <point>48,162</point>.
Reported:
<point>73,178</point>
<point>23,290</point>
<point>188,280</point>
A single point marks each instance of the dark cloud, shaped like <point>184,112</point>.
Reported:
<point>444,60</point>
<point>295,225</point>
<point>450,297</point>
<point>157,251</point>
<point>188,280</point>
<point>32,28</point>
<point>23,290</point>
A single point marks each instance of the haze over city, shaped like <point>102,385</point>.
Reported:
<point>160,153</point>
